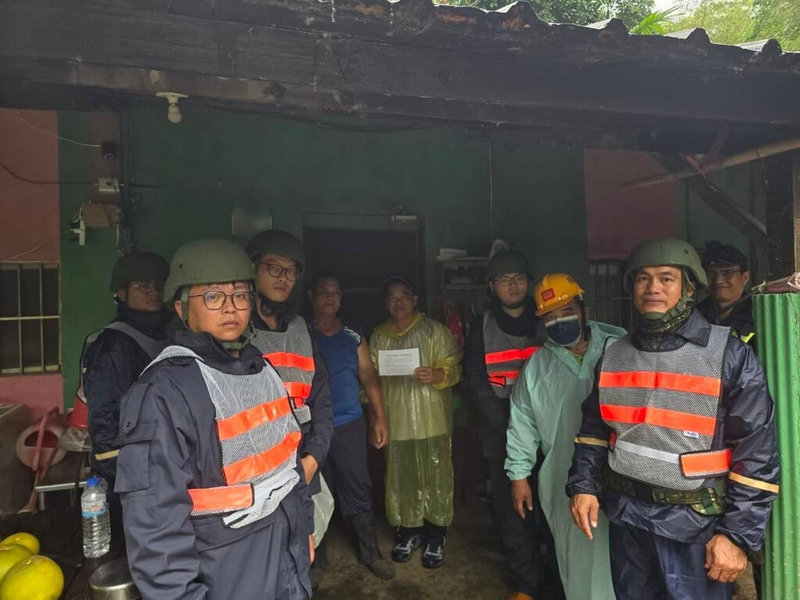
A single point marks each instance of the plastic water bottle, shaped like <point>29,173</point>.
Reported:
<point>96,520</point>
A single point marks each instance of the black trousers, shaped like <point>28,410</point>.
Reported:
<point>528,543</point>
<point>345,470</point>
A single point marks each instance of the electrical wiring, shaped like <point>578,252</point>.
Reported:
<point>50,133</point>
<point>19,177</point>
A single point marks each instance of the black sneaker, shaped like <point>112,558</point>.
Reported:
<point>433,555</point>
<point>405,547</point>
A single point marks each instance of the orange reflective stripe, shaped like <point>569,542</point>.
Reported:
<point>290,360</point>
<point>503,377</point>
<point>258,464</point>
<point>221,499</point>
<point>509,355</point>
<point>497,380</point>
<point>695,384</point>
<point>699,463</point>
<point>298,391</point>
<point>252,418</point>
<point>660,417</point>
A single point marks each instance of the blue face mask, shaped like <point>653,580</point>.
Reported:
<point>565,331</point>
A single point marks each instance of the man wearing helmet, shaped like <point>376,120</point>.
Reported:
<point>113,357</point>
<point>728,303</point>
<point>546,416</point>
<point>679,440</point>
<point>283,337</point>
<point>208,473</point>
<point>495,350</point>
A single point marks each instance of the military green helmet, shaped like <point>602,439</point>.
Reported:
<point>207,261</point>
<point>138,266</point>
<point>667,251</point>
<point>507,261</point>
<point>275,241</point>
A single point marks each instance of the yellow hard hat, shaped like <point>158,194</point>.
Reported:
<point>554,291</point>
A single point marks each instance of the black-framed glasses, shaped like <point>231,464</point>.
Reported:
<point>725,274</point>
<point>148,286</point>
<point>507,280</point>
<point>277,271</point>
<point>215,300</point>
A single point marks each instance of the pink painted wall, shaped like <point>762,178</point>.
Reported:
<point>618,218</point>
<point>29,225</point>
<point>39,392</point>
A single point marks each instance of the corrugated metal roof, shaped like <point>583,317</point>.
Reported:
<point>515,29</point>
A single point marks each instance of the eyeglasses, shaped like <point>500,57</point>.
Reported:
<point>148,286</point>
<point>277,271</point>
<point>215,300</point>
<point>726,274</point>
<point>507,280</point>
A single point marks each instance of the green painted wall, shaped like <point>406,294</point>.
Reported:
<point>697,223</point>
<point>215,160</point>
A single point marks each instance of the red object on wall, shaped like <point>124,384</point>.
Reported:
<point>29,214</point>
<point>618,218</point>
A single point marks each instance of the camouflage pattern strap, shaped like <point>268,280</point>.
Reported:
<point>706,501</point>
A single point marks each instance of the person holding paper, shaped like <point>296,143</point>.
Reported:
<point>418,405</point>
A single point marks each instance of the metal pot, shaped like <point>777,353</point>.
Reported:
<point>112,581</point>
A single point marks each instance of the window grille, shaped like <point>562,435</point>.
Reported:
<point>607,298</point>
<point>30,318</point>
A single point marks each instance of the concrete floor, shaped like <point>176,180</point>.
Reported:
<point>474,567</point>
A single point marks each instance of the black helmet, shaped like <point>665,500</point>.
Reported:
<point>275,241</point>
<point>724,254</point>
<point>138,266</point>
<point>507,261</point>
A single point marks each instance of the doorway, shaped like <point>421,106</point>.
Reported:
<point>363,259</point>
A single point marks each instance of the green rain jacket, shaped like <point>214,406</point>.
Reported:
<point>546,413</point>
<point>419,469</point>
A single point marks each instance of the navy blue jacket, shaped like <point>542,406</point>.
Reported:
<point>744,424</point>
<point>112,363</point>
<point>169,443</point>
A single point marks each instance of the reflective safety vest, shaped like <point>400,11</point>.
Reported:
<point>150,346</point>
<point>662,408</point>
<point>291,353</point>
<point>258,437</point>
<point>505,355</point>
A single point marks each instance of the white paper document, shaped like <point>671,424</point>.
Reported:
<point>398,362</point>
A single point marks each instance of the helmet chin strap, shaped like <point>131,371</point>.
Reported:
<point>656,323</point>
<point>243,340</point>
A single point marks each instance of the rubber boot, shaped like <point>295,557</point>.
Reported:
<point>368,551</point>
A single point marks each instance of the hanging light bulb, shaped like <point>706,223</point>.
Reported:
<point>173,110</point>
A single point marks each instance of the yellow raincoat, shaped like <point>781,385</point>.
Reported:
<point>419,466</point>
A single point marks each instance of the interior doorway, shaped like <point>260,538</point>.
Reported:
<point>363,259</point>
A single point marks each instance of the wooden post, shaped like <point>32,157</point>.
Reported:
<point>782,189</point>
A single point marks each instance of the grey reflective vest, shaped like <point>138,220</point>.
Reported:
<point>258,437</point>
<point>150,346</point>
<point>662,408</point>
<point>291,354</point>
<point>504,354</point>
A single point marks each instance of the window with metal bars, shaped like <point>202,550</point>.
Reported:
<point>30,318</point>
<point>607,298</point>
